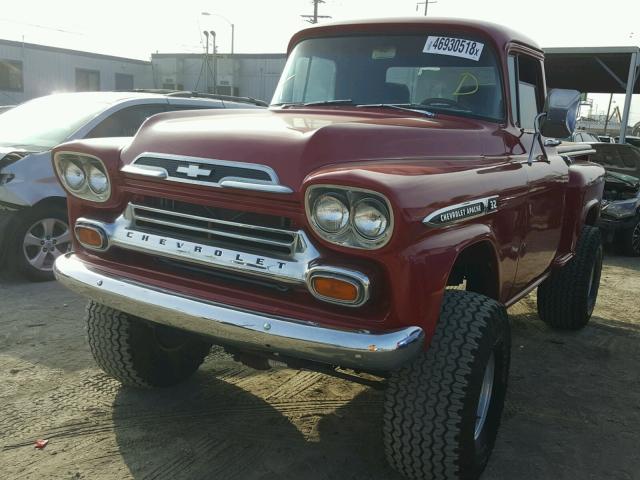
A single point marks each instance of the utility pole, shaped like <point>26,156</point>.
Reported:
<point>426,5</point>
<point>314,18</point>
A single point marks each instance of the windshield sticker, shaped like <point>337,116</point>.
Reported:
<point>383,53</point>
<point>454,47</point>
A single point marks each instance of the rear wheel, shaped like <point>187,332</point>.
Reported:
<point>139,353</point>
<point>566,299</point>
<point>442,411</point>
<point>41,235</point>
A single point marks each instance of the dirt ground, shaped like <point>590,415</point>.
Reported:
<point>573,407</point>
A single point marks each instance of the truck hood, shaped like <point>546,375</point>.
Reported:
<point>296,142</point>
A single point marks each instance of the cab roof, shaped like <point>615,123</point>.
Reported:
<point>501,36</point>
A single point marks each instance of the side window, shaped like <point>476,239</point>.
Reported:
<point>125,122</point>
<point>526,80</point>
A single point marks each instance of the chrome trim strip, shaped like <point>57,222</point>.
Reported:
<point>357,279</point>
<point>145,170</point>
<point>256,187</point>
<point>272,186</point>
<point>357,349</point>
<point>487,208</point>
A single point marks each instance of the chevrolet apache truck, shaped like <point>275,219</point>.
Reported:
<point>404,188</point>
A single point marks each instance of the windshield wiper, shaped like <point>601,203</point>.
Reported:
<point>345,101</point>
<point>407,107</point>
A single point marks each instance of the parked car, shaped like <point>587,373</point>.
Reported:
<point>631,140</point>
<point>32,203</point>
<point>605,138</point>
<point>620,217</point>
<point>395,164</point>
<point>583,136</point>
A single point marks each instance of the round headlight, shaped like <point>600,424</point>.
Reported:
<point>330,214</point>
<point>74,176</point>
<point>98,181</point>
<point>370,219</point>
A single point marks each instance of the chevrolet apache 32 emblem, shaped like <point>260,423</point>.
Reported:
<point>193,171</point>
<point>462,211</point>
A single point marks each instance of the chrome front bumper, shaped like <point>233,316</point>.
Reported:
<point>357,349</point>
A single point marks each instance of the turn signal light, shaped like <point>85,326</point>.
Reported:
<point>335,288</point>
<point>90,237</point>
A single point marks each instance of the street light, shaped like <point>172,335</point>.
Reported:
<point>233,27</point>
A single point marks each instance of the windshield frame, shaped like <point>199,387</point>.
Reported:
<point>489,43</point>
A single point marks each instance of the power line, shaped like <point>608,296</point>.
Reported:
<point>314,18</point>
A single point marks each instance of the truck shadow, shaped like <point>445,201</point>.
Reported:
<point>208,428</point>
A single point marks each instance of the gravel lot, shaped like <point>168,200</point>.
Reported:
<point>573,408</point>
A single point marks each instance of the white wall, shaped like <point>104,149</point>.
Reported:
<point>48,70</point>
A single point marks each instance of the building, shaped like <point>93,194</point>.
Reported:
<point>246,74</point>
<point>28,70</point>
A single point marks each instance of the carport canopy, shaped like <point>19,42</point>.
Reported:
<point>596,70</point>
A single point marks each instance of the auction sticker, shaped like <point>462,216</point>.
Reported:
<point>454,47</point>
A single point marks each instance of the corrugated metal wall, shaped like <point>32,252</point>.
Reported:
<point>51,70</point>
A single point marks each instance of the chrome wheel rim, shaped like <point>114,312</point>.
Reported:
<point>485,396</point>
<point>635,238</point>
<point>46,240</point>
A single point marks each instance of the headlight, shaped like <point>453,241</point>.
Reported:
<point>98,181</point>
<point>621,209</point>
<point>84,176</point>
<point>351,217</point>
<point>74,176</point>
<point>370,218</point>
<point>330,214</point>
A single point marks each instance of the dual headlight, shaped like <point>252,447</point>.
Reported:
<point>349,216</point>
<point>84,176</point>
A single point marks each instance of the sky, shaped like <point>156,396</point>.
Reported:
<point>137,28</point>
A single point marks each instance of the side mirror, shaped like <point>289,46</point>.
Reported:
<point>560,113</point>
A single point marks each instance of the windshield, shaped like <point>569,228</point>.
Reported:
<point>45,122</point>
<point>444,73</point>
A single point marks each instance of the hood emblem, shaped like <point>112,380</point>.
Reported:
<point>194,171</point>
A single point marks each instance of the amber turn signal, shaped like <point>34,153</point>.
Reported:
<point>89,237</point>
<point>335,288</point>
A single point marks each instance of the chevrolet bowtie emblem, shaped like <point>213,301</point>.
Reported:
<point>194,171</point>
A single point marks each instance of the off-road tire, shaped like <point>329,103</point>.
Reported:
<point>131,351</point>
<point>629,240</point>
<point>431,404</point>
<point>566,299</point>
<point>16,258</point>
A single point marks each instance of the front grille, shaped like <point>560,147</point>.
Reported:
<point>207,171</point>
<point>263,234</point>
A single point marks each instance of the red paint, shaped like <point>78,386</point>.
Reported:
<point>420,164</point>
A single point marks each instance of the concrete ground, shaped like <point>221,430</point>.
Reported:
<point>573,407</point>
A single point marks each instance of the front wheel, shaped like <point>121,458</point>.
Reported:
<point>566,299</point>
<point>41,235</point>
<point>442,411</point>
<point>141,354</point>
<point>629,240</point>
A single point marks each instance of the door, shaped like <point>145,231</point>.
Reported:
<point>547,179</point>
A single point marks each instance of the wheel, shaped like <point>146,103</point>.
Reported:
<point>442,411</point>
<point>566,299</point>
<point>629,240</point>
<point>41,235</point>
<point>141,354</point>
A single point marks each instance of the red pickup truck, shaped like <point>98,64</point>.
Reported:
<point>402,190</point>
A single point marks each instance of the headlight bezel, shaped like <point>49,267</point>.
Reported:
<point>351,197</point>
<point>86,163</point>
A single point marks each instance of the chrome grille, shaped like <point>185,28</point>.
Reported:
<point>211,230</point>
